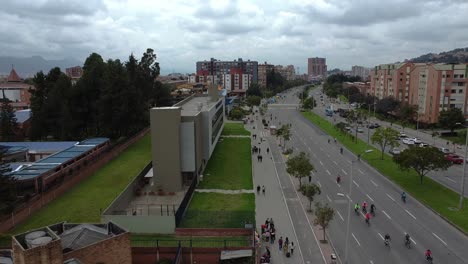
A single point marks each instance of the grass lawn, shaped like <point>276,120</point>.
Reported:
<point>431,193</point>
<point>83,202</point>
<point>230,166</point>
<point>234,129</point>
<point>173,241</point>
<point>219,210</point>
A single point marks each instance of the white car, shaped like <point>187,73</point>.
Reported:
<point>408,141</point>
<point>395,151</point>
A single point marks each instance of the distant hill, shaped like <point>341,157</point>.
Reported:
<point>28,66</point>
<point>453,56</point>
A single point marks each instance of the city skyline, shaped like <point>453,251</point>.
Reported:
<point>364,33</point>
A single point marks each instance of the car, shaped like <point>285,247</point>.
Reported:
<point>454,158</point>
<point>444,150</point>
<point>408,141</point>
<point>423,145</point>
<point>395,151</point>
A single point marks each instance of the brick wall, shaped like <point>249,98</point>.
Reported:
<point>213,232</point>
<point>39,201</point>
<point>113,250</point>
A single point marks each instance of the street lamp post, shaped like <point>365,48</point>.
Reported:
<point>349,205</point>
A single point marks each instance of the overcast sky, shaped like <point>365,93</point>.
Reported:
<point>346,32</point>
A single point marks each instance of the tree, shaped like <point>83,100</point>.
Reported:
<point>299,166</point>
<point>385,137</point>
<point>254,89</point>
<point>253,100</point>
<point>8,124</point>
<point>422,160</point>
<point>449,118</point>
<point>310,190</point>
<point>7,187</point>
<point>323,216</point>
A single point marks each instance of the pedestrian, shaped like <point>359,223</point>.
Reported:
<point>280,243</point>
<point>292,248</point>
<point>310,178</point>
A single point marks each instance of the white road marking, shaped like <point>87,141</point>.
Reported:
<point>356,183</point>
<point>344,171</point>
<point>375,184</point>
<point>390,197</point>
<point>356,239</point>
<point>381,236</point>
<point>440,239</point>
<point>321,163</point>
<point>342,219</point>
<point>328,197</point>
<point>369,197</point>
<point>386,215</point>
<point>360,171</point>
<point>336,163</point>
<point>410,214</point>
<point>328,172</point>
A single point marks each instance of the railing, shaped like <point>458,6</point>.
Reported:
<point>183,205</point>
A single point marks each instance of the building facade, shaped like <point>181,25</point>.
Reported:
<point>263,70</point>
<point>317,67</point>
<point>430,87</point>
<point>16,90</point>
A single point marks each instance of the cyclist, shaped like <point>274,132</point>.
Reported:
<point>428,255</point>
<point>364,207</point>
<point>403,197</point>
<point>387,239</point>
<point>407,239</point>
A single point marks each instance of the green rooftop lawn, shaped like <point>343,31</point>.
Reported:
<point>219,210</point>
<point>83,203</point>
<point>431,193</point>
<point>230,166</point>
<point>234,129</point>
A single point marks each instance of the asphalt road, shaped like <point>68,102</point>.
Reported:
<point>451,178</point>
<point>366,244</point>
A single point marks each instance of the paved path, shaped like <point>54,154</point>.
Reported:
<point>223,191</point>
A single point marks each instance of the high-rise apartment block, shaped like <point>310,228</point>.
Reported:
<point>431,87</point>
<point>360,71</point>
<point>317,68</point>
<point>263,70</point>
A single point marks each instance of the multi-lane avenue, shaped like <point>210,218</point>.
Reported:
<point>366,244</point>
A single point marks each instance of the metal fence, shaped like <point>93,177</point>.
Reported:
<point>219,219</point>
<point>189,243</point>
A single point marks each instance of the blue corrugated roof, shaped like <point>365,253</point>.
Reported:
<point>55,160</point>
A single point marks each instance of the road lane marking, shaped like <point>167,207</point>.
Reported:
<point>410,214</point>
<point>356,239</point>
<point>369,197</point>
<point>328,172</point>
<point>360,171</point>
<point>440,239</point>
<point>342,219</point>
<point>321,162</point>
<point>344,171</point>
<point>386,215</point>
<point>336,163</point>
<point>390,197</point>
<point>381,236</point>
<point>356,183</point>
<point>375,184</point>
<point>328,197</point>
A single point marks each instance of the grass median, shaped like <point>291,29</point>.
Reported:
<point>230,166</point>
<point>438,197</point>
<point>234,129</point>
<point>83,203</point>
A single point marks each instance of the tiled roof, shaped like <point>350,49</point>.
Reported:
<point>13,77</point>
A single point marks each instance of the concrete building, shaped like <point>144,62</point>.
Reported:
<point>317,67</point>
<point>263,70</point>
<point>16,91</point>
<point>218,68</point>
<point>431,87</point>
<point>183,138</point>
<point>73,243</point>
<point>360,71</point>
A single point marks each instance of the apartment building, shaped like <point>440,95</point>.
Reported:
<point>263,70</point>
<point>317,67</point>
<point>431,87</point>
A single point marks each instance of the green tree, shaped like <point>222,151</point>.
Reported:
<point>422,160</point>
<point>323,216</point>
<point>299,166</point>
<point>253,100</point>
<point>8,124</point>
<point>449,118</point>
<point>310,190</point>
<point>7,187</point>
<point>385,137</point>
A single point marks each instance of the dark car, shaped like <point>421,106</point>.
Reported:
<point>455,159</point>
